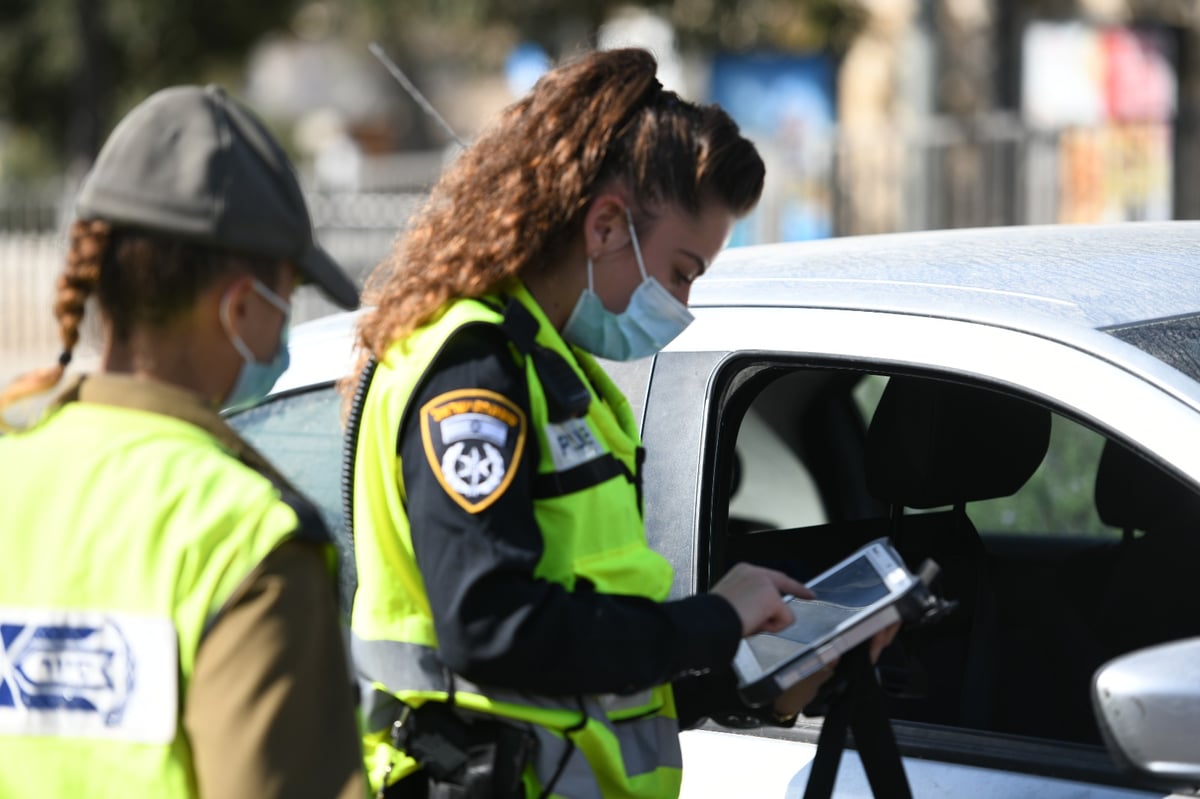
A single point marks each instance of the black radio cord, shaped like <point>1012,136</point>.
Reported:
<point>566,755</point>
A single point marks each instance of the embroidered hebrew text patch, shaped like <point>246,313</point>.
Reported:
<point>88,674</point>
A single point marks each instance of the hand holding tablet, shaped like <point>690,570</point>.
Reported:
<point>854,600</point>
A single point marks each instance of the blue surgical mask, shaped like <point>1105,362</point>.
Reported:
<point>254,380</point>
<point>652,320</point>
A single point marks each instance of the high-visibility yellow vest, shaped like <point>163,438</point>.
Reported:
<point>627,746</point>
<point>125,533</point>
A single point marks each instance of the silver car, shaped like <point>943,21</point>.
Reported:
<point>1019,405</point>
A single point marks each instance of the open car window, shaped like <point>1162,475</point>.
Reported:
<point>1053,540</point>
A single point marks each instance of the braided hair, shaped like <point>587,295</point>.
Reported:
<point>78,281</point>
<point>140,280</point>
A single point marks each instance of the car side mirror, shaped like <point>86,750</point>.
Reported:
<point>1147,704</point>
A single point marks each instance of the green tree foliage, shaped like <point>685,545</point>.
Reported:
<point>710,25</point>
<point>444,42</point>
<point>1060,496</point>
<point>71,67</point>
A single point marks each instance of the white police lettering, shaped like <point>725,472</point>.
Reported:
<point>572,443</point>
<point>88,674</point>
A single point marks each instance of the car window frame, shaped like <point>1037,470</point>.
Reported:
<point>688,382</point>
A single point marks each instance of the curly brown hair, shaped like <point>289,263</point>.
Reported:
<point>511,202</point>
<point>140,279</point>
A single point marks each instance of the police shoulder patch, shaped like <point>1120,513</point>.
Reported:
<point>473,439</point>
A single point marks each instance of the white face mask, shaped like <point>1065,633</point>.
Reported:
<point>652,320</point>
<point>255,379</point>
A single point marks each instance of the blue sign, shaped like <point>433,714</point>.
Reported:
<point>785,104</point>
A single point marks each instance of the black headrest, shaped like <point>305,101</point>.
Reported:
<point>933,443</point>
<point>1133,493</point>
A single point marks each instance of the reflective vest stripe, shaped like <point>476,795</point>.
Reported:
<point>419,669</point>
<point>647,744</point>
<point>647,741</point>
<point>415,666</point>
<point>577,779</point>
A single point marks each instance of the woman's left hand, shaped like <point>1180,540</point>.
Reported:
<point>796,698</point>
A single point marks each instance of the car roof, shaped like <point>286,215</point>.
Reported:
<point>1096,275</point>
<point>1046,279</point>
<point>327,347</point>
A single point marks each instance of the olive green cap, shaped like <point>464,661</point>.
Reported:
<point>193,162</point>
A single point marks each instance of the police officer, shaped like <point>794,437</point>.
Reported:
<point>511,628</point>
<point>168,622</point>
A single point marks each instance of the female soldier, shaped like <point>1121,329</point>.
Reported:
<point>510,623</point>
<point>168,614</point>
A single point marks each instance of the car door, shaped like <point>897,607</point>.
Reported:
<point>756,424</point>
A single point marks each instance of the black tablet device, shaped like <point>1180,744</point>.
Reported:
<point>854,600</point>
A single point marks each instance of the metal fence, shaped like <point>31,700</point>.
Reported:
<point>994,170</point>
<point>991,170</point>
<point>357,228</point>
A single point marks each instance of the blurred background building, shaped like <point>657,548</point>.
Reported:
<point>874,115</point>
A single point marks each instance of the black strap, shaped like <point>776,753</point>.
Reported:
<point>519,324</point>
<point>567,396</point>
<point>639,462</point>
<point>859,707</point>
<point>585,475</point>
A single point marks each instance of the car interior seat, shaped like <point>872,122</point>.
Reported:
<point>1149,596</point>
<point>930,445</point>
<point>1115,596</point>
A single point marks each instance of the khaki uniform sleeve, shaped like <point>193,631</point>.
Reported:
<point>270,709</point>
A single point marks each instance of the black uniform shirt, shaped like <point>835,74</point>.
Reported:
<point>499,624</point>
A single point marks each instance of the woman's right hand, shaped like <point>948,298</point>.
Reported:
<point>756,594</point>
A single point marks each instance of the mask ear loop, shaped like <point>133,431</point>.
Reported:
<point>637,250</point>
<point>264,291</point>
<point>589,271</point>
<point>234,338</point>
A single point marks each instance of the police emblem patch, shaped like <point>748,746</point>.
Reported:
<point>472,439</point>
